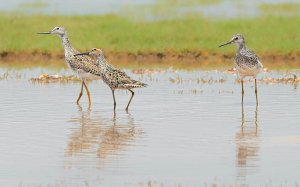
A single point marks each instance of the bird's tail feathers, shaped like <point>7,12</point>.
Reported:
<point>137,85</point>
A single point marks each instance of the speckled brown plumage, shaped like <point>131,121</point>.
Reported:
<point>246,61</point>
<point>84,66</point>
<point>113,77</point>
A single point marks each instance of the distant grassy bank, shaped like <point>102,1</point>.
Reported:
<point>267,34</point>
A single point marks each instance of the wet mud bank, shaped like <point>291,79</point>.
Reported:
<point>200,58</point>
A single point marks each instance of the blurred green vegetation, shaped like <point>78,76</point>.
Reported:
<point>37,4</point>
<point>115,33</point>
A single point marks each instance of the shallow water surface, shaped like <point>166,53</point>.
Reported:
<point>183,130</point>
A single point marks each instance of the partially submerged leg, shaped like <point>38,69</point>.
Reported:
<point>132,94</point>
<point>242,86</point>
<point>242,103</point>
<point>243,100</point>
<point>115,103</point>
<point>243,117</point>
<point>88,93</point>
<point>256,91</point>
<point>256,111</point>
<point>80,94</point>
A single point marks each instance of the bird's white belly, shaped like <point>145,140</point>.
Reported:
<point>245,71</point>
<point>86,76</point>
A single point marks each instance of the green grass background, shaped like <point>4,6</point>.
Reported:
<point>276,34</point>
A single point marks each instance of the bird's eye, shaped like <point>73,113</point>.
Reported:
<point>57,28</point>
<point>236,38</point>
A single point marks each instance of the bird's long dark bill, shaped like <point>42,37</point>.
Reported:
<point>86,53</point>
<point>44,33</point>
<point>225,44</point>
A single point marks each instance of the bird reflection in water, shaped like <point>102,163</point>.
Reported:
<point>101,136</point>
<point>247,142</point>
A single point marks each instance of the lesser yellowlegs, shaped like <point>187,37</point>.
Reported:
<point>84,66</point>
<point>246,62</point>
<point>113,77</point>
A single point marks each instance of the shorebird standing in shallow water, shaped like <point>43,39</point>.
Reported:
<point>113,77</point>
<point>246,62</point>
<point>84,66</point>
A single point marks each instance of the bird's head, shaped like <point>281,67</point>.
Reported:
<point>238,39</point>
<point>60,31</point>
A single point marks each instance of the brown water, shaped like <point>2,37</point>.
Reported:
<point>188,128</point>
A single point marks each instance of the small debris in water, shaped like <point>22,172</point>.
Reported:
<point>179,80</point>
<point>233,71</point>
<point>153,71</point>
<point>4,76</point>
<point>45,78</point>
<point>7,76</point>
<point>269,80</point>
<point>284,80</point>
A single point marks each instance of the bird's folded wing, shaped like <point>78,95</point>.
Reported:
<point>87,65</point>
<point>122,77</point>
<point>249,57</point>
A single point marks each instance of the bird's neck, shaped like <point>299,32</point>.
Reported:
<point>65,42</point>
<point>101,60</point>
<point>240,46</point>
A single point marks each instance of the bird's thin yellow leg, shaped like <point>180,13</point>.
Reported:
<point>256,91</point>
<point>80,94</point>
<point>243,101</point>
<point>242,87</point>
<point>88,93</point>
<point>115,103</point>
<point>132,94</point>
<point>256,111</point>
<point>243,117</point>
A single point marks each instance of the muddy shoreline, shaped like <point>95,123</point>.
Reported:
<point>195,57</point>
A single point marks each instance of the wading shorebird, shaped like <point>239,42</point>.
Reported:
<point>246,62</point>
<point>84,66</point>
<point>113,77</point>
